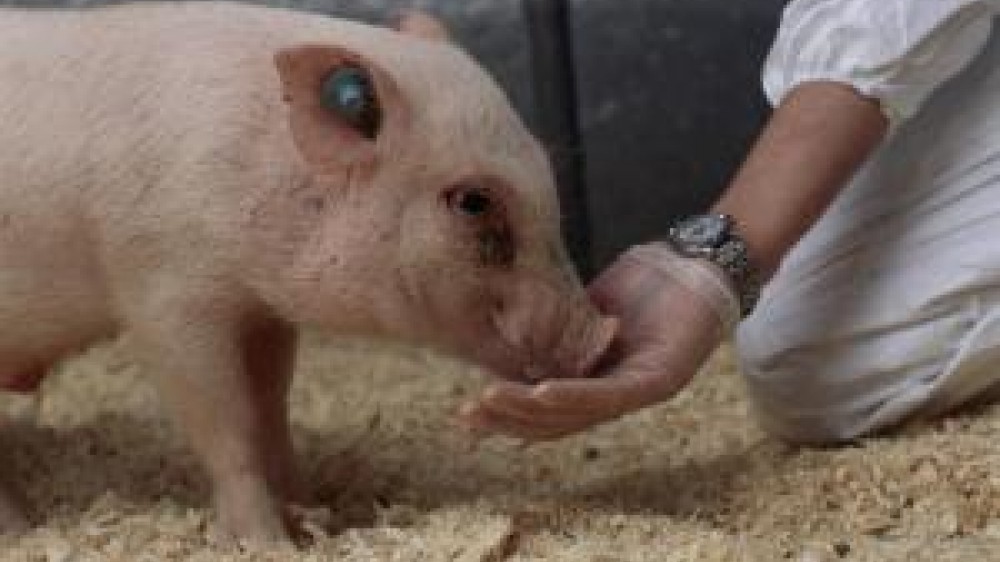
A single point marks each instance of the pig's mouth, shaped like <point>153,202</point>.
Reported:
<point>574,363</point>
<point>538,343</point>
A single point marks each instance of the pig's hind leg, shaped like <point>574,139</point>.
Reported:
<point>225,379</point>
<point>12,517</point>
<point>13,520</point>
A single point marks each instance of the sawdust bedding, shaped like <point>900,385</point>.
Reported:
<point>694,480</point>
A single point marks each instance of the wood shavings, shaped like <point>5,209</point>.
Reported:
<point>691,481</point>
<point>497,542</point>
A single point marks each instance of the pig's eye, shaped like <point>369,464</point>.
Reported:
<point>472,202</point>
<point>494,240</point>
<point>348,92</point>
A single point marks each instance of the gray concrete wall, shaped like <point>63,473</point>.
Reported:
<point>669,93</point>
<point>670,101</point>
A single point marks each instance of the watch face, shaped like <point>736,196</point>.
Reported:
<point>702,230</point>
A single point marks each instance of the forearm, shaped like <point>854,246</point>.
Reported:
<point>813,144</point>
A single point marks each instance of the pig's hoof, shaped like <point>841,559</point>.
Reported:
<point>251,532</point>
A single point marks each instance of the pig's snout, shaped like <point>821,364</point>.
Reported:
<point>551,332</point>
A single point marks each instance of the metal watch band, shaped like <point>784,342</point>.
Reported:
<point>714,237</point>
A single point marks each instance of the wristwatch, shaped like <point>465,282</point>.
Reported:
<point>714,237</point>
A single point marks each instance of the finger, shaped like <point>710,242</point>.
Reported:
<point>485,419</point>
<point>517,402</point>
<point>498,423</point>
<point>610,396</point>
<point>471,417</point>
<point>495,419</point>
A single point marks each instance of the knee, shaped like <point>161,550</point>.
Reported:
<point>792,404</point>
<point>823,384</point>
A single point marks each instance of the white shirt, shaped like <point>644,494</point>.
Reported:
<point>890,305</point>
<point>897,51</point>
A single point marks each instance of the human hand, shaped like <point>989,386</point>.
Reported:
<point>673,312</point>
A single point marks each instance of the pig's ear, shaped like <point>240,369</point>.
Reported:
<point>419,24</point>
<point>339,105</point>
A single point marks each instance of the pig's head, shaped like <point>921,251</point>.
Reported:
<point>423,209</point>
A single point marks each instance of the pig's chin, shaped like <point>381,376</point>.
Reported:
<point>492,353</point>
<point>570,353</point>
<point>509,361</point>
<point>517,366</point>
<point>520,366</point>
<point>499,359</point>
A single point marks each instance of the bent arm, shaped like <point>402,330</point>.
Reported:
<point>815,141</point>
<point>841,73</point>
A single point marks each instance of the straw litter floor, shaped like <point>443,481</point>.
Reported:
<point>693,480</point>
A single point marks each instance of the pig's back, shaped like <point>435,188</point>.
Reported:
<point>92,86</point>
<point>104,106</point>
<point>108,117</point>
<point>136,92</point>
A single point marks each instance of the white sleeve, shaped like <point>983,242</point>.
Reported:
<point>895,51</point>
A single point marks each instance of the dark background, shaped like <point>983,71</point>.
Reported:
<point>669,94</point>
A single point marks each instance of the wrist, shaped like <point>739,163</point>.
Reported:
<point>714,239</point>
<point>699,278</point>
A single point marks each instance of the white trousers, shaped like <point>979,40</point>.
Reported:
<point>889,307</point>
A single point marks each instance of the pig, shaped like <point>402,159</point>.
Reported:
<point>210,178</point>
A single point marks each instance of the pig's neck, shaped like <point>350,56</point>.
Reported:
<point>358,297</point>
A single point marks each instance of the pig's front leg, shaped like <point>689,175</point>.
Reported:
<point>269,358</point>
<point>226,379</point>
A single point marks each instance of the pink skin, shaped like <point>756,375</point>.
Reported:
<point>168,171</point>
